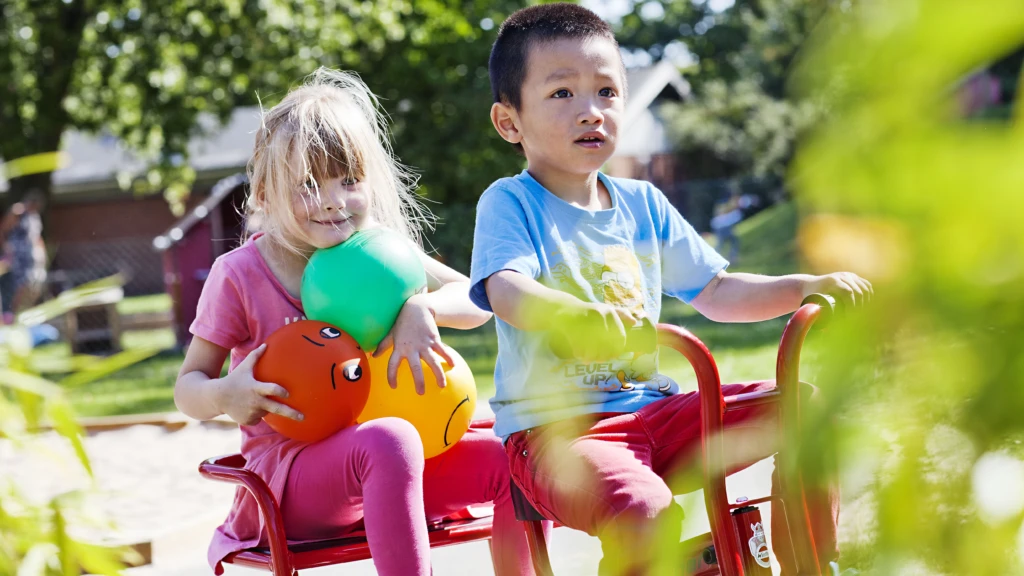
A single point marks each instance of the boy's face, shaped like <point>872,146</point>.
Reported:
<point>571,101</point>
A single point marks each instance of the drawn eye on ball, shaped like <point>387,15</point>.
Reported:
<point>330,333</point>
<point>352,372</point>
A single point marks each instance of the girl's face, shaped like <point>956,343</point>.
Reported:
<point>328,215</point>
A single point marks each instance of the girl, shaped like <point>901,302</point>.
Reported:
<point>322,168</point>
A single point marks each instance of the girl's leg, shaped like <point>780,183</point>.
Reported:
<point>475,471</point>
<point>371,472</point>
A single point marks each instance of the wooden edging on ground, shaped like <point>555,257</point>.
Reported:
<point>170,421</point>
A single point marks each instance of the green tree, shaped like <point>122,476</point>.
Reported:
<point>145,71</point>
<point>741,121</point>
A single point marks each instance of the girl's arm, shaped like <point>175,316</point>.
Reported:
<point>742,297</point>
<point>447,297</point>
<point>200,393</point>
<point>414,336</point>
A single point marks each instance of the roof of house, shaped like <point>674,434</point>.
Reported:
<point>222,150</point>
<point>221,190</point>
<point>649,86</point>
<point>96,160</point>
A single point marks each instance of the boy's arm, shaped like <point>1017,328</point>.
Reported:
<point>742,297</point>
<point>595,331</point>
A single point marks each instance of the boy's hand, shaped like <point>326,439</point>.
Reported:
<point>245,399</point>
<point>593,332</point>
<point>414,336</point>
<point>846,287</point>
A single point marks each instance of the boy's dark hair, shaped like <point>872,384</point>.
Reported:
<point>525,27</point>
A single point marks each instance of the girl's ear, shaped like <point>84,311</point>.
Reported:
<point>506,122</point>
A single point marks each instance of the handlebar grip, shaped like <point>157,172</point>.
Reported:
<point>829,306</point>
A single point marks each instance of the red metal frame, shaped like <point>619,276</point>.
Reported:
<point>284,560</point>
<point>714,405</point>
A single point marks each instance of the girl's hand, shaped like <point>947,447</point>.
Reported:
<point>846,287</point>
<point>245,399</point>
<point>415,338</point>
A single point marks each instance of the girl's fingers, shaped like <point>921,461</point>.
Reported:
<point>384,345</point>
<point>254,356</point>
<point>443,352</point>
<point>271,389</point>
<point>435,367</point>
<point>281,409</point>
<point>417,372</point>
<point>393,363</point>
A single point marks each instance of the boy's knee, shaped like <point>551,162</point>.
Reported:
<point>642,504</point>
<point>631,508</point>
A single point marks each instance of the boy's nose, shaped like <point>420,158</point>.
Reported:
<point>590,115</point>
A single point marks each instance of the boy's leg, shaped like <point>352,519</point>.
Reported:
<point>475,471</point>
<point>751,435</point>
<point>371,472</point>
<point>594,475</point>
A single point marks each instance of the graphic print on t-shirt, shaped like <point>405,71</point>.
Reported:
<point>613,277</point>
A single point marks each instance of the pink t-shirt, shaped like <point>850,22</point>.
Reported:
<point>241,305</point>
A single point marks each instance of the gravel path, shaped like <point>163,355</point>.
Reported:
<point>147,485</point>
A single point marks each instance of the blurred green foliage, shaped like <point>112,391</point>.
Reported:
<point>924,387</point>
<point>34,536</point>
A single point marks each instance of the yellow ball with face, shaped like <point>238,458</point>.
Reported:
<point>440,415</point>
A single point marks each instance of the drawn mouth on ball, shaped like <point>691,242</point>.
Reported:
<point>448,425</point>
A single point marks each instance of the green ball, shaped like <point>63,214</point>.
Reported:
<point>361,284</point>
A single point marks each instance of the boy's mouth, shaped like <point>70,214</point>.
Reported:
<point>591,140</point>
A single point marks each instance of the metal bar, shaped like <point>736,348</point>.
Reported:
<point>762,500</point>
<point>787,369</point>
<point>712,413</point>
<point>750,399</point>
<point>280,556</point>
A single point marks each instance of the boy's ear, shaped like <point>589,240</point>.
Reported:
<point>505,121</point>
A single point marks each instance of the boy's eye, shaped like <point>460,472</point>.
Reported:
<point>607,92</point>
<point>563,93</point>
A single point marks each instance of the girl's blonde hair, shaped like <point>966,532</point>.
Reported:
<point>330,127</point>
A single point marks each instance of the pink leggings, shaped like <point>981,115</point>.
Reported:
<point>373,474</point>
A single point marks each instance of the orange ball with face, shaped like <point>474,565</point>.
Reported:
<point>326,373</point>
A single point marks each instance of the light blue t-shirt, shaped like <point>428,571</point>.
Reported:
<point>626,256</point>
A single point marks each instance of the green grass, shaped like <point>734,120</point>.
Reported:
<point>768,241</point>
<point>742,351</point>
<point>145,304</point>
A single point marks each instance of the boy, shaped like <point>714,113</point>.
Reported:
<point>563,251</point>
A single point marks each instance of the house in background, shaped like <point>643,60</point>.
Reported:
<point>191,244</point>
<point>645,151</point>
<point>95,229</point>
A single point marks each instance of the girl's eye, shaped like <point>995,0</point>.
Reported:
<point>352,372</point>
<point>607,92</point>
<point>563,93</point>
<point>349,182</point>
